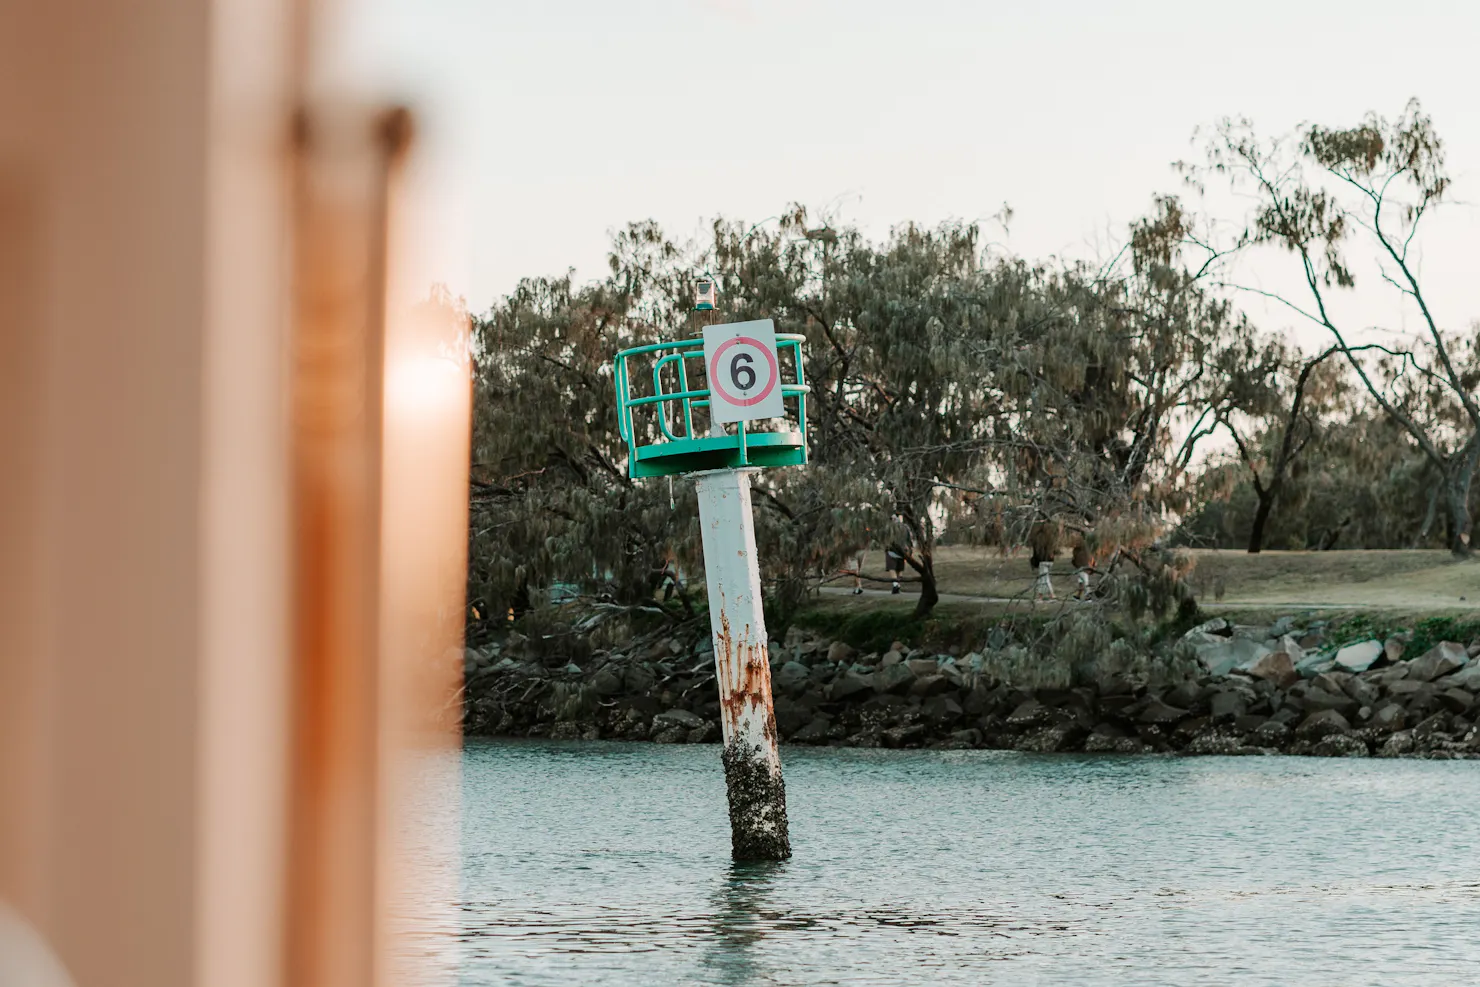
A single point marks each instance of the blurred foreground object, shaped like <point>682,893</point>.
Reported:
<point>25,959</point>
<point>232,525</point>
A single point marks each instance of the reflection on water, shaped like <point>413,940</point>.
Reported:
<point>608,864</point>
<point>744,913</point>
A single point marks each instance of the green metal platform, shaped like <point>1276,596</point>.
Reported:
<point>659,426</point>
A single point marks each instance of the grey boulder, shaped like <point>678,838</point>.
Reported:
<point>792,673</point>
<point>1441,659</point>
<point>640,678</point>
<point>941,709</point>
<point>1160,713</point>
<point>815,732</point>
<point>1028,713</point>
<point>1223,655</point>
<point>677,718</point>
<point>1277,667</point>
<point>1048,739</point>
<point>1227,705</point>
<point>931,685</point>
<point>839,651</point>
<point>893,678</point>
<point>1466,678</point>
<point>1358,657</point>
<point>607,681</point>
<point>1313,664</point>
<point>1322,723</point>
<point>850,684</point>
<point>1388,718</point>
<point>1397,745</point>
<point>1339,745</point>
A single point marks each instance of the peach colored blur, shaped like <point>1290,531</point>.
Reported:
<point>232,506</point>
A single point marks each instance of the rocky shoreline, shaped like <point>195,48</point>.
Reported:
<point>1278,689</point>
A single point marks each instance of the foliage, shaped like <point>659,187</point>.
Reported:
<point>1014,402</point>
<point>960,392</point>
<point>551,499</point>
<point>1314,194</point>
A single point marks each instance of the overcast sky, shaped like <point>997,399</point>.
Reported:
<point>549,123</point>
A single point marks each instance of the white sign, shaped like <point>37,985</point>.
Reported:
<point>744,374</point>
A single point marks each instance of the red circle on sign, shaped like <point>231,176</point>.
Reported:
<point>714,378</point>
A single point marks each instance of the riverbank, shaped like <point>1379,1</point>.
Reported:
<point>1293,686</point>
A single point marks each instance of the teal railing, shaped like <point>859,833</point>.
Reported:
<point>675,448</point>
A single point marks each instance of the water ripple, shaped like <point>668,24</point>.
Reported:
<point>607,864</point>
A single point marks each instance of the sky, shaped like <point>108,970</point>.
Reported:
<point>547,124</point>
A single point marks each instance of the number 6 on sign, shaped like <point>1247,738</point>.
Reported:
<point>744,376</point>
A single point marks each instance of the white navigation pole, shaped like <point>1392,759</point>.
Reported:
<point>744,383</point>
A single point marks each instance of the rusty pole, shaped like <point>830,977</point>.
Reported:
<point>757,795</point>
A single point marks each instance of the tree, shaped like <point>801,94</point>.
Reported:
<point>551,499</point>
<point>1377,181</point>
<point>1131,366</point>
<point>906,341</point>
<point>1036,398</point>
<point>1359,483</point>
<point>1289,390</point>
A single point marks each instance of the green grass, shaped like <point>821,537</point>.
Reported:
<point>872,624</point>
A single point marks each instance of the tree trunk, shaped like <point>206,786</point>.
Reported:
<point>1328,541</point>
<point>1428,518</point>
<point>1261,517</point>
<point>928,595</point>
<point>1460,521</point>
<point>1457,487</point>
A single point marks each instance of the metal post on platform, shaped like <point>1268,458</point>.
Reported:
<point>753,783</point>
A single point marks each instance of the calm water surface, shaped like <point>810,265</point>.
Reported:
<point>597,863</point>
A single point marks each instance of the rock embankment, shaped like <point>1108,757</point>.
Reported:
<point>1259,690</point>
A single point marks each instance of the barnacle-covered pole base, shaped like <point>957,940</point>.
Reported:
<point>758,829</point>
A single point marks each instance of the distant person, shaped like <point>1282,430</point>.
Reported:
<point>1043,588</point>
<point>1084,564</point>
<point>858,575</point>
<point>894,562</point>
<point>1036,559</point>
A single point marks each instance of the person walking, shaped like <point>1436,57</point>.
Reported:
<point>1043,588</point>
<point>1041,564</point>
<point>1084,564</point>
<point>894,562</point>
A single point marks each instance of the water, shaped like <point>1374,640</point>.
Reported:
<point>599,863</point>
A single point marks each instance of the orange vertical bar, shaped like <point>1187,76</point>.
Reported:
<point>344,162</point>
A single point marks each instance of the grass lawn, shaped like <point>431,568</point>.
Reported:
<point>1385,579</point>
<point>1362,589</point>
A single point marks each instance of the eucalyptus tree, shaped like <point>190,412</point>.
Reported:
<point>550,496</point>
<point>1286,396</point>
<point>902,342</point>
<point>1359,483</point>
<point>1318,193</point>
<point>1009,399</point>
<point>1124,371</point>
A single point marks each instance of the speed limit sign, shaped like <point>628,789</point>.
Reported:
<point>744,375</point>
